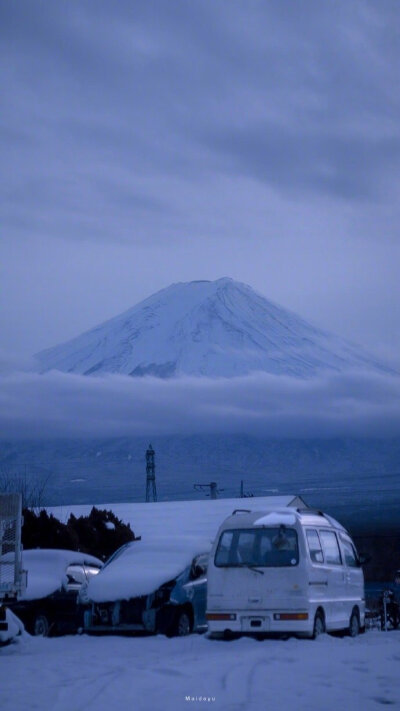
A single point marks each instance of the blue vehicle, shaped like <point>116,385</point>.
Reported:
<point>176,608</point>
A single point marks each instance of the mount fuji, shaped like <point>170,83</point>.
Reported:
<point>217,328</point>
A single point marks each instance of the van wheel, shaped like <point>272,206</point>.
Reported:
<point>354,625</point>
<point>319,625</point>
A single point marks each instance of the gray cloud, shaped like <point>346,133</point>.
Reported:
<point>134,93</point>
<point>64,405</point>
<point>349,167</point>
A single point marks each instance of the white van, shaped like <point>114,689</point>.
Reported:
<point>284,571</point>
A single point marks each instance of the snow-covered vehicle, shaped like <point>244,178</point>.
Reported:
<point>284,572</point>
<point>50,604</point>
<point>148,589</point>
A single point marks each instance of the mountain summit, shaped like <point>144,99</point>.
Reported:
<point>206,328</point>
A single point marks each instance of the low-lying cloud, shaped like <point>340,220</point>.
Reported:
<point>55,404</point>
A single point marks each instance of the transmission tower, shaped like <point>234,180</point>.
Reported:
<point>151,492</point>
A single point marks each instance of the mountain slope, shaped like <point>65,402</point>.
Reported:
<point>204,328</point>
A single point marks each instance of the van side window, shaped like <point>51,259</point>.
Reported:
<point>330,547</point>
<point>350,555</point>
<point>314,546</point>
<point>224,548</point>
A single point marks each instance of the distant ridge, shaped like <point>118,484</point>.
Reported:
<point>219,328</point>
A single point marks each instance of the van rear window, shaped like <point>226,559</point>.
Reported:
<point>263,548</point>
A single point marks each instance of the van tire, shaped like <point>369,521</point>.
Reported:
<point>354,624</point>
<point>319,625</point>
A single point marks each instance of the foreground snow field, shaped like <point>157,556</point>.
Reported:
<point>160,674</point>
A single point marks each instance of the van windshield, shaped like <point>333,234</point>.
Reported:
<point>261,547</point>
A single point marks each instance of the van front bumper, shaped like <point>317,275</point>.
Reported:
<point>260,622</point>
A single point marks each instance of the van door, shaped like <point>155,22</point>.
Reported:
<point>318,574</point>
<point>354,577</point>
<point>336,580</point>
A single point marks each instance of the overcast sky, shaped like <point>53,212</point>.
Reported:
<point>150,142</point>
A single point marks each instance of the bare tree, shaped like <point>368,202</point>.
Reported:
<point>32,489</point>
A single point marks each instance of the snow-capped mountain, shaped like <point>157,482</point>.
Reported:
<point>206,328</point>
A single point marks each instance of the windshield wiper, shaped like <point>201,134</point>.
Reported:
<point>252,567</point>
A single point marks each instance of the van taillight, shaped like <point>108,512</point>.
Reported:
<point>220,616</point>
<point>291,616</point>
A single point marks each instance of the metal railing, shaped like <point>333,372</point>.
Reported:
<point>11,578</point>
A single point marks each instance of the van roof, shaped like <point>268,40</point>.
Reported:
<point>241,518</point>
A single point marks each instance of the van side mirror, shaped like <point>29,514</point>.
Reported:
<point>198,571</point>
<point>364,559</point>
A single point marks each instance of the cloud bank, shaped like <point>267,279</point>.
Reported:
<point>55,404</point>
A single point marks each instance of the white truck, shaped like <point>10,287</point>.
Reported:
<point>12,577</point>
<point>284,571</point>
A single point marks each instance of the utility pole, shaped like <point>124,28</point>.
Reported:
<point>244,495</point>
<point>212,486</point>
<point>151,492</point>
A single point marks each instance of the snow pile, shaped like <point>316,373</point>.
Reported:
<point>172,533</point>
<point>276,519</point>
<point>141,567</point>
<point>206,328</point>
<point>47,570</point>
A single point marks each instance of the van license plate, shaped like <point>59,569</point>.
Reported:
<point>255,624</point>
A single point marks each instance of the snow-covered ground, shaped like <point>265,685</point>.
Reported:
<point>160,674</point>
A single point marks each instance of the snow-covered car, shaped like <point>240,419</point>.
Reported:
<point>50,603</point>
<point>146,589</point>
